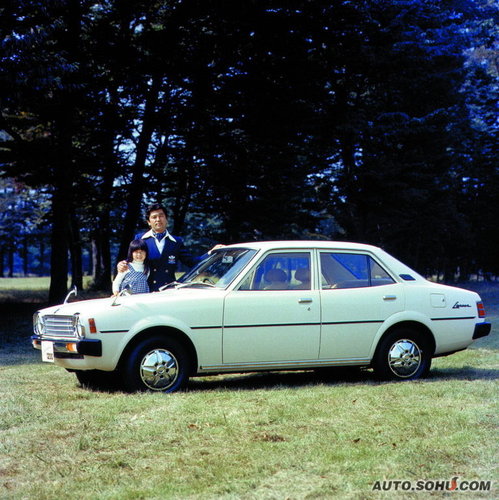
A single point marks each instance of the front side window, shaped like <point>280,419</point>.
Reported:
<point>349,270</point>
<point>280,271</point>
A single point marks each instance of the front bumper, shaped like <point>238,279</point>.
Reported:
<point>481,330</point>
<point>73,349</point>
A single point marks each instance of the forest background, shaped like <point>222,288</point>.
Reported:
<point>365,120</point>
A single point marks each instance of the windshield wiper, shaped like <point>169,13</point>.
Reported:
<point>196,283</point>
<point>173,284</point>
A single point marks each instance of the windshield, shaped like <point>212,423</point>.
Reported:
<point>220,268</point>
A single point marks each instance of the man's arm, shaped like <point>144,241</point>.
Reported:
<point>188,259</point>
<point>122,266</point>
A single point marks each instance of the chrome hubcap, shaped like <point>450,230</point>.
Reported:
<point>404,358</point>
<point>159,370</point>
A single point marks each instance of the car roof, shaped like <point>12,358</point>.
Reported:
<point>301,244</point>
<point>395,265</point>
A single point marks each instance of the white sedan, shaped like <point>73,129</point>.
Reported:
<point>281,305</point>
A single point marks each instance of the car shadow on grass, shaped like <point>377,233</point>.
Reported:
<point>284,379</point>
<point>469,373</point>
<point>306,378</point>
<point>273,380</point>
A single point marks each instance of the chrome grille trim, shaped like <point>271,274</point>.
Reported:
<point>60,326</point>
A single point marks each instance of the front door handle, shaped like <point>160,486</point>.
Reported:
<point>389,297</point>
<point>305,301</point>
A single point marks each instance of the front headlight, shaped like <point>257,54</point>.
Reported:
<point>38,325</point>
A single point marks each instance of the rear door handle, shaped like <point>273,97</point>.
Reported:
<point>389,297</point>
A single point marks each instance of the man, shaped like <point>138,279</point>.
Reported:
<point>165,250</point>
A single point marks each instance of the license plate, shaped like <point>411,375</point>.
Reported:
<point>47,352</point>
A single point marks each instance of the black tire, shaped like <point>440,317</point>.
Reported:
<point>97,379</point>
<point>404,354</point>
<point>157,364</point>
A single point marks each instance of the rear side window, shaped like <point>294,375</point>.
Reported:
<point>350,270</point>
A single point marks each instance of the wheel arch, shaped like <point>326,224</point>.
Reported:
<point>166,332</point>
<point>411,325</point>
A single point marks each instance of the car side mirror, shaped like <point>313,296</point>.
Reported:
<point>73,291</point>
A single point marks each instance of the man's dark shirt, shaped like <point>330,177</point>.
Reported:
<point>163,266</point>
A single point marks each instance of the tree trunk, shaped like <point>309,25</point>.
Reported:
<point>10,256</point>
<point>96,261</point>
<point>101,258</point>
<point>136,189</point>
<point>25,256</point>
<point>76,258</point>
<point>60,247</point>
<point>42,256</point>
<point>183,196</point>
<point>62,211</point>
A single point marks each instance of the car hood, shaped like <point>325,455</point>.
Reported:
<point>92,306</point>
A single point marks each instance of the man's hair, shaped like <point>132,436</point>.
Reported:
<point>154,207</point>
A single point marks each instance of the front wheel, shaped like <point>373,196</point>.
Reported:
<point>156,364</point>
<point>404,354</point>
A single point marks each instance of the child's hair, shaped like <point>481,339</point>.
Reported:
<point>138,245</point>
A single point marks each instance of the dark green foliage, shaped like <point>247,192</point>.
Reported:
<point>372,121</point>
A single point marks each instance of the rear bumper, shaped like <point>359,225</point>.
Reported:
<point>73,349</point>
<point>481,330</point>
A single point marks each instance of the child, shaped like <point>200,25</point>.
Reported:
<point>138,270</point>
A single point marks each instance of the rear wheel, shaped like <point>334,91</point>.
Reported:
<point>404,354</point>
<point>158,364</point>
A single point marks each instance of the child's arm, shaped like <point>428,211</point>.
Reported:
<point>117,282</point>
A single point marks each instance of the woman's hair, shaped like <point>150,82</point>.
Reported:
<point>138,245</point>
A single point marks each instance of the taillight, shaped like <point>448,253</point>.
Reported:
<point>481,309</point>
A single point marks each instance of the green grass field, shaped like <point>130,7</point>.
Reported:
<point>294,435</point>
<point>29,290</point>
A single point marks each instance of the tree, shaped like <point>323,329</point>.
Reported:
<point>362,120</point>
<point>398,124</point>
<point>42,84</point>
<point>23,213</point>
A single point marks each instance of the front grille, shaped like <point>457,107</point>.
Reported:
<point>60,326</point>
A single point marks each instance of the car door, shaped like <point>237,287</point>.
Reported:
<point>357,296</point>
<point>273,317</point>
